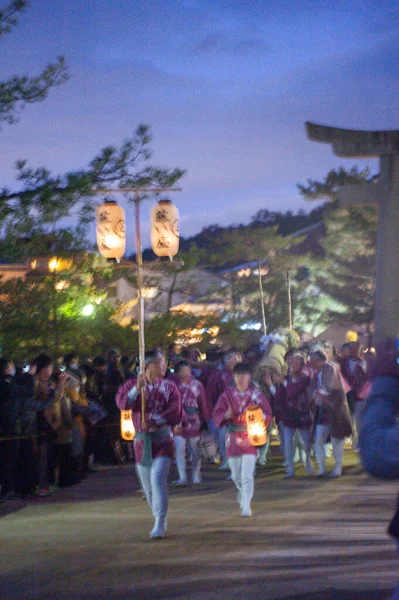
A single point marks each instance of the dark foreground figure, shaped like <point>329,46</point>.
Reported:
<point>379,437</point>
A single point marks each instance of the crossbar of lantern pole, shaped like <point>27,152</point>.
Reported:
<point>139,261</point>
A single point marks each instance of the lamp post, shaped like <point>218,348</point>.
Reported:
<point>52,266</point>
<point>138,198</point>
<point>289,300</point>
<point>262,300</point>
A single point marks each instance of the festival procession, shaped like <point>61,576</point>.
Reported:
<point>226,410</point>
<point>199,309</point>
<point>175,409</point>
<point>180,414</point>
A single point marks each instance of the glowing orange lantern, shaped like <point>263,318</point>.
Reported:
<point>165,229</point>
<point>111,230</point>
<point>256,426</point>
<point>127,427</point>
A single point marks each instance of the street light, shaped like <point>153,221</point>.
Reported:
<point>88,310</point>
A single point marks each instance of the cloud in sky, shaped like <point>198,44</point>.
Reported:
<point>226,85</point>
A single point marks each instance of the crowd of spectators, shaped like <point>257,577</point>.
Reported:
<point>58,419</point>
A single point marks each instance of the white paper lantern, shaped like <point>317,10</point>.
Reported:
<point>127,428</point>
<point>111,229</point>
<point>165,229</point>
<point>256,426</point>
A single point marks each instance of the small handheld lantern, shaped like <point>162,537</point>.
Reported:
<point>165,229</point>
<point>256,427</point>
<point>127,428</point>
<point>111,230</point>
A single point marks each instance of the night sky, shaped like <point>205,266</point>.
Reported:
<point>226,86</point>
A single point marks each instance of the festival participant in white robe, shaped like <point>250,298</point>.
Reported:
<point>230,410</point>
<point>195,414</point>
<point>153,443</point>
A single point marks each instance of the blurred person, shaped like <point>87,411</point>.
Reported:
<point>209,367</point>
<point>379,436</point>
<point>194,416</point>
<point>264,381</point>
<point>113,450</point>
<point>98,379</point>
<point>153,442</point>
<point>71,362</point>
<point>14,390</point>
<point>288,359</point>
<point>48,420</point>
<point>252,356</point>
<point>80,409</point>
<point>65,424</point>
<point>128,365</point>
<point>94,418</point>
<point>230,410</point>
<point>293,397</point>
<point>344,351</point>
<point>218,383</point>
<point>332,416</point>
<point>95,390</point>
<point>193,358</point>
<point>173,356</point>
<point>354,372</point>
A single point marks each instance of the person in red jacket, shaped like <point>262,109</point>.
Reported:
<point>217,384</point>
<point>153,443</point>
<point>354,372</point>
<point>230,410</point>
<point>292,394</point>
<point>195,414</point>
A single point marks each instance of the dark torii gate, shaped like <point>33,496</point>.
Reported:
<point>385,193</point>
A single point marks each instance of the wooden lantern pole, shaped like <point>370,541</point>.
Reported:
<point>139,261</point>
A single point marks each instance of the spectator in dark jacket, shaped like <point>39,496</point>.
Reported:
<point>13,392</point>
<point>379,437</point>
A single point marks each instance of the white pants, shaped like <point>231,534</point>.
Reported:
<point>288,437</point>
<point>180,445</point>
<point>154,482</point>
<point>322,433</point>
<point>242,472</point>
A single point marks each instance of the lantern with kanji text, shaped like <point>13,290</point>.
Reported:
<point>256,426</point>
<point>111,230</point>
<point>127,427</point>
<point>165,229</point>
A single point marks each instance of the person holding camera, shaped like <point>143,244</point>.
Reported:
<point>332,418</point>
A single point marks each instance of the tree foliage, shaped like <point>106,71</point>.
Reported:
<point>347,276</point>
<point>36,212</point>
<point>47,312</point>
<point>20,90</point>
